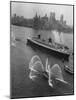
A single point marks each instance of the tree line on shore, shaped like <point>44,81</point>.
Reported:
<point>42,23</point>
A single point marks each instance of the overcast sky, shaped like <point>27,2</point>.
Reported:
<point>28,10</point>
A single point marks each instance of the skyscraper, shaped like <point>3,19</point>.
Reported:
<point>61,18</point>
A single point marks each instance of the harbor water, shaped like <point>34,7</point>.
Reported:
<point>21,54</point>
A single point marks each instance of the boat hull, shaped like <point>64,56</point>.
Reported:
<point>68,70</point>
<point>47,50</point>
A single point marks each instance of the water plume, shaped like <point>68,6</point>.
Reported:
<point>52,72</point>
<point>56,73</point>
<point>35,66</point>
<point>13,39</point>
<point>58,37</point>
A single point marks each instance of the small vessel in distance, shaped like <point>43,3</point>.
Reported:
<point>50,45</point>
<point>69,69</point>
<point>69,66</point>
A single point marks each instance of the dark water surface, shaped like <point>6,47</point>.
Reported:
<point>21,54</point>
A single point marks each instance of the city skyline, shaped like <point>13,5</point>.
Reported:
<point>28,10</point>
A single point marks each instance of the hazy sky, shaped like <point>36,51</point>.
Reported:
<point>28,10</point>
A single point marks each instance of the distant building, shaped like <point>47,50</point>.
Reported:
<point>52,16</point>
<point>61,19</point>
<point>64,22</point>
<point>14,15</point>
<point>36,21</point>
<point>45,18</point>
<point>51,19</point>
<point>36,16</point>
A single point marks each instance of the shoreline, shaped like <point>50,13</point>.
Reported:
<point>40,29</point>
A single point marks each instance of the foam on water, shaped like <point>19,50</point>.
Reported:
<point>36,67</point>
